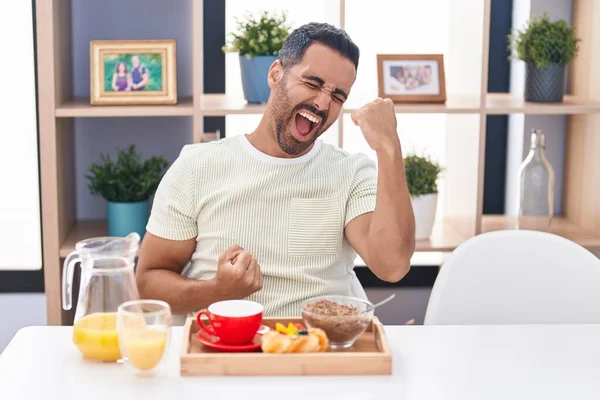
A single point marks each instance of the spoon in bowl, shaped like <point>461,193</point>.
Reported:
<point>382,302</point>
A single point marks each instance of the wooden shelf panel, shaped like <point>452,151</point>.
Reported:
<point>80,107</point>
<point>218,105</point>
<point>505,103</point>
<point>82,230</point>
<point>560,226</point>
<point>445,237</point>
<point>453,105</point>
<point>221,104</point>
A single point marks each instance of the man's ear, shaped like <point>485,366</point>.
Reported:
<point>275,74</point>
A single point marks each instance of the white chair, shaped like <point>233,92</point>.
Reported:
<point>516,277</point>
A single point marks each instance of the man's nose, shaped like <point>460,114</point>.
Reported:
<point>321,100</point>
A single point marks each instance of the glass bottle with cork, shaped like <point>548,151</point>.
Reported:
<point>536,186</point>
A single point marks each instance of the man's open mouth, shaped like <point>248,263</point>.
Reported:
<point>306,123</point>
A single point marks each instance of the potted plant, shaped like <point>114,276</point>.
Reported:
<point>547,48</point>
<point>127,185</point>
<point>258,42</point>
<point>421,177</point>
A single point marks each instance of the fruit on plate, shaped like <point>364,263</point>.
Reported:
<point>304,341</point>
<point>291,329</point>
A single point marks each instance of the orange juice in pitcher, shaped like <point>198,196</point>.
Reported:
<point>107,280</point>
<point>95,335</point>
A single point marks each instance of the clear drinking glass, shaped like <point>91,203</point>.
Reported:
<point>144,329</point>
<point>536,186</point>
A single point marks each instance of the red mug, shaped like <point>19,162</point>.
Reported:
<point>232,321</point>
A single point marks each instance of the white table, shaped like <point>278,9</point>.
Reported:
<point>430,362</point>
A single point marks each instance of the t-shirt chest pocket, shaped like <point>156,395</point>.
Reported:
<point>314,226</point>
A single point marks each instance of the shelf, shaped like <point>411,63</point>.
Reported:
<point>560,226</point>
<point>218,105</point>
<point>80,107</point>
<point>82,230</point>
<point>214,105</point>
<point>505,103</point>
<point>453,105</point>
<point>444,237</point>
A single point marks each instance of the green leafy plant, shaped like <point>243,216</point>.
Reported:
<point>128,179</point>
<point>543,42</point>
<point>421,175</point>
<point>259,36</point>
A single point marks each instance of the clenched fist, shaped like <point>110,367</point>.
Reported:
<point>377,121</point>
<point>238,273</point>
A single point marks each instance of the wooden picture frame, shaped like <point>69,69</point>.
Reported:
<point>412,78</point>
<point>133,72</point>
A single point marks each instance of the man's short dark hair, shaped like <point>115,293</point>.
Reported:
<point>301,38</point>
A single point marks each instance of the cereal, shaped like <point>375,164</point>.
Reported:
<point>341,322</point>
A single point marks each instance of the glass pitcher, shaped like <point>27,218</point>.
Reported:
<point>107,280</point>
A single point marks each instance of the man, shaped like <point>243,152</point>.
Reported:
<point>276,215</point>
<point>139,74</point>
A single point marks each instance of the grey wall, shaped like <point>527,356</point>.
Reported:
<point>19,310</point>
<point>95,136</point>
<point>115,20</point>
<point>520,126</point>
<point>136,20</point>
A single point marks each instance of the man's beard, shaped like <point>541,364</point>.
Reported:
<point>282,115</point>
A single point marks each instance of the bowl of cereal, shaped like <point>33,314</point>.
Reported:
<point>342,318</point>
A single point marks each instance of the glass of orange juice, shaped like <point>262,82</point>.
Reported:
<point>144,329</point>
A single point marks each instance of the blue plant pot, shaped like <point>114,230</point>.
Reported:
<point>124,218</point>
<point>254,77</point>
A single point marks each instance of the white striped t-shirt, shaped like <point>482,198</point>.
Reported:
<point>289,213</point>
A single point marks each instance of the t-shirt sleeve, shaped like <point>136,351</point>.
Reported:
<point>173,214</point>
<point>363,191</point>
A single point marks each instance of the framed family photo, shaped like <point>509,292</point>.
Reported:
<point>411,78</point>
<point>133,72</point>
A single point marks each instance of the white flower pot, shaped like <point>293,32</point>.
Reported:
<point>424,207</point>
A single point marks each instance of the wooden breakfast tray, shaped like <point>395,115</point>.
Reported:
<point>370,355</point>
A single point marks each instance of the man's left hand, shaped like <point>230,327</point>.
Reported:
<point>377,121</point>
